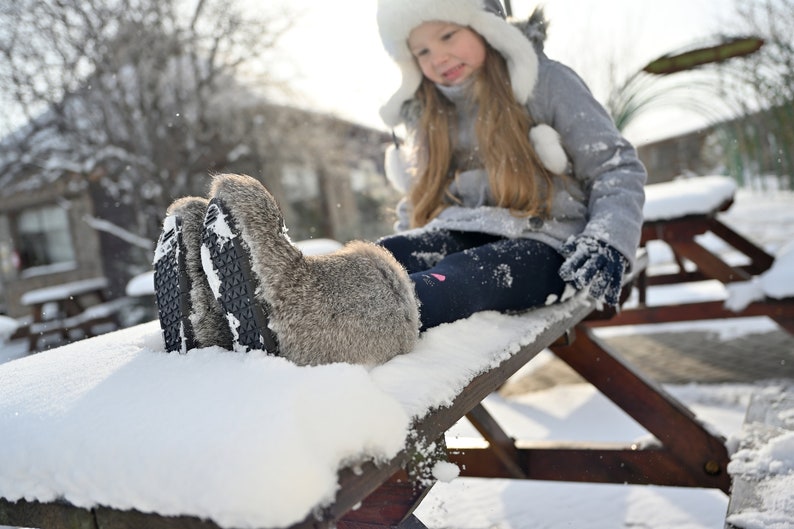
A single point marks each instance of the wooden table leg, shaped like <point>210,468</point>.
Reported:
<point>695,447</point>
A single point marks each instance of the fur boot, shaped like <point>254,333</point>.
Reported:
<point>356,305</point>
<point>189,314</point>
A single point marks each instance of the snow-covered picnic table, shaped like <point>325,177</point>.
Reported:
<point>244,440</point>
<point>73,307</point>
<point>679,215</point>
<point>112,429</point>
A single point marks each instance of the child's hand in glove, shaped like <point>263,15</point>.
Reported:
<point>593,265</point>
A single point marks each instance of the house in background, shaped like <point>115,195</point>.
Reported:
<point>43,238</point>
<point>675,156</point>
<point>744,148</point>
<point>65,227</point>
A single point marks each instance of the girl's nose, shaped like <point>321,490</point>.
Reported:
<point>439,57</point>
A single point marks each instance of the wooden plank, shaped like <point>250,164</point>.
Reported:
<point>587,463</point>
<point>711,265</point>
<point>438,422</point>
<point>760,260</point>
<point>61,515</point>
<point>412,522</point>
<point>391,504</point>
<point>687,276</point>
<point>680,235</point>
<point>782,311</point>
<point>683,228</point>
<point>354,488</point>
<point>787,322</point>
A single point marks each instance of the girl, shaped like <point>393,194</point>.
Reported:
<point>501,220</point>
<point>518,188</point>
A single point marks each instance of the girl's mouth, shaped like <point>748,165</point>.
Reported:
<point>453,73</point>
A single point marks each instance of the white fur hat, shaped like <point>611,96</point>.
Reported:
<point>397,18</point>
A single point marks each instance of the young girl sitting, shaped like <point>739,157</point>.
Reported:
<point>519,190</point>
<point>501,220</point>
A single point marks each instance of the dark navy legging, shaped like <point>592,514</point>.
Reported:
<point>459,273</point>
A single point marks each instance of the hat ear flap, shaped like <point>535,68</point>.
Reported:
<point>412,78</point>
<point>515,47</point>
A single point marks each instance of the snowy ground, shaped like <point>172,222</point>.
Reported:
<point>579,413</point>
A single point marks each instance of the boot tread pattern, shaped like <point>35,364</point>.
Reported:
<point>172,291</point>
<point>231,262</point>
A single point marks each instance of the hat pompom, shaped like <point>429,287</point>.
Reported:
<point>397,169</point>
<point>548,147</point>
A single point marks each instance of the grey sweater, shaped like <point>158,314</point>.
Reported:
<point>603,197</point>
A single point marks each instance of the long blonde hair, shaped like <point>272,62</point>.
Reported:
<point>517,179</point>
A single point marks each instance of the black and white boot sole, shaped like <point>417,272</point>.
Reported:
<point>172,288</point>
<point>232,281</point>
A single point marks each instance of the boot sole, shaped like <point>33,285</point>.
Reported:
<point>172,289</point>
<point>248,320</point>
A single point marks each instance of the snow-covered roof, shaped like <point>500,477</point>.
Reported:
<point>775,283</point>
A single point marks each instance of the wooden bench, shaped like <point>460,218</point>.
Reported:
<point>384,494</point>
<point>69,311</point>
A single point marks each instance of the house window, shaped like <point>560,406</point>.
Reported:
<point>43,237</point>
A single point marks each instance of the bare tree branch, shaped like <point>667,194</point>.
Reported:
<point>139,87</point>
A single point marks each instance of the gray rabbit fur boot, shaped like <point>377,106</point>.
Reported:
<point>356,305</point>
<point>189,315</point>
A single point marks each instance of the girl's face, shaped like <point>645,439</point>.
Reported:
<point>447,54</point>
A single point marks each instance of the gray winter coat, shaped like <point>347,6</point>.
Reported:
<point>603,197</point>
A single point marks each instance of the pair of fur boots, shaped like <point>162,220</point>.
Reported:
<point>226,274</point>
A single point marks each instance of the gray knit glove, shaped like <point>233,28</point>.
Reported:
<point>595,266</point>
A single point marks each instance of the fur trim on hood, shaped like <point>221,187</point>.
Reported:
<point>397,18</point>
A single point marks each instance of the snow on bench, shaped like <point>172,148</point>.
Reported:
<point>64,291</point>
<point>775,283</point>
<point>687,196</point>
<point>245,440</point>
